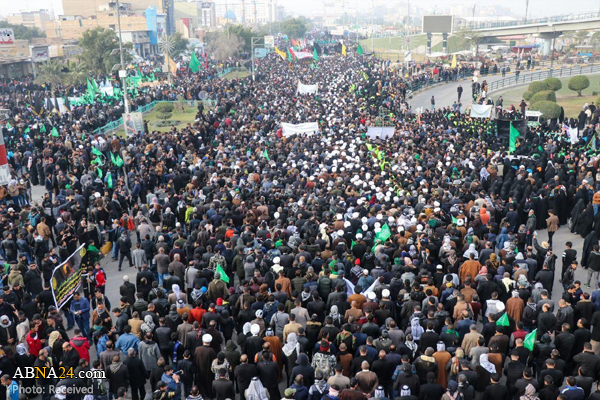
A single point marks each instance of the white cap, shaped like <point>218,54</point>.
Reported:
<point>340,233</point>
<point>338,217</point>
<point>126,278</point>
<point>346,224</point>
<point>359,236</point>
<point>385,293</point>
<point>366,271</point>
<point>206,338</point>
<point>254,329</point>
<point>371,296</point>
<point>276,260</point>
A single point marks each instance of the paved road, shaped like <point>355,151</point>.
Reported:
<point>446,94</point>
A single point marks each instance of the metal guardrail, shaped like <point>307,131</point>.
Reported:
<point>541,75</point>
<point>500,24</point>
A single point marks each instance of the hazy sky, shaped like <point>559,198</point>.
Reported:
<point>537,7</point>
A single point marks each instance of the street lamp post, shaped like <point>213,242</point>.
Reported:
<point>253,42</point>
<point>122,71</point>
<point>552,49</point>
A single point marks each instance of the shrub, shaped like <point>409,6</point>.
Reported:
<point>164,115</point>
<point>527,95</point>
<point>537,86</point>
<point>164,108</point>
<point>549,109</point>
<point>544,95</point>
<point>553,83</point>
<point>579,83</point>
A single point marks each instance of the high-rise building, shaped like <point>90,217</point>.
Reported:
<point>208,17</point>
<point>40,19</point>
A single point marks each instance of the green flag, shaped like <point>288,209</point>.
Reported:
<point>266,155</point>
<point>90,88</point>
<point>503,320</point>
<point>359,50</point>
<point>27,131</point>
<point>221,272</point>
<point>96,151</point>
<point>54,132</point>
<point>109,180</point>
<point>384,233</point>
<point>369,147</point>
<point>454,220</point>
<point>118,161</point>
<point>512,141</point>
<point>352,245</point>
<point>529,341</point>
<point>194,63</point>
<point>95,86</point>
<point>289,55</point>
<point>315,55</point>
<point>99,171</point>
<point>43,128</point>
<point>9,126</point>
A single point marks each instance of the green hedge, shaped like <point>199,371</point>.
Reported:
<point>544,95</point>
<point>537,86</point>
<point>553,83</point>
<point>549,109</point>
<point>527,95</point>
<point>164,108</point>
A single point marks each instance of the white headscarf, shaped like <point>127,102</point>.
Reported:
<point>291,344</point>
<point>256,390</point>
<point>177,291</point>
<point>486,364</point>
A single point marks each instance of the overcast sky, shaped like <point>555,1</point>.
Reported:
<point>538,8</point>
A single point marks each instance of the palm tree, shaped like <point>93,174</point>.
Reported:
<point>51,72</point>
<point>580,36</point>
<point>78,73</point>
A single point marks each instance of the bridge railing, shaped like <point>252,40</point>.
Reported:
<point>461,24</point>
<point>514,80</point>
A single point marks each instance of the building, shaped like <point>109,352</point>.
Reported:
<point>208,16</point>
<point>252,12</point>
<point>88,8</point>
<point>156,26</point>
<point>168,8</point>
<point>140,41</point>
<point>40,19</point>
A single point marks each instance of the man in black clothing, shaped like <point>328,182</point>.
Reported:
<point>587,360</point>
<point>137,375</point>
<point>268,372</point>
<point>223,387</point>
<point>244,374</point>
<point>513,371</point>
<point>124,249</point>
<point>568,256</point>
<point>557,376</point>
<point>431,390</point>
<point>495,391</point>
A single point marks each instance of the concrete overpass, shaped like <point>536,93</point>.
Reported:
<point>544,26</point>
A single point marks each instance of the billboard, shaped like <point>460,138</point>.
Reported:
<point>70,51</point>
<point>66,278</point>
<point>438,23</point>
<point>270,41</point>
<point>7,37</point>
<point>133,123</point>
<point>39,54</point>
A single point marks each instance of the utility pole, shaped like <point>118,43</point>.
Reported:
<point>526,9</point>
<point>122,70</point>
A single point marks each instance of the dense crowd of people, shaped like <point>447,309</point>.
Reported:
<point>332,265</point>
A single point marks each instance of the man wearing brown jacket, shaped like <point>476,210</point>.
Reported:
<point>367,380</point>
<point>552,222</point>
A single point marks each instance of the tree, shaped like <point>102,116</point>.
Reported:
<point>244,34</point>
<point>52,72</point>
<point>469,39</point>
<point>173,45</point>
<point>581,36</point>
<point>164,111</point>
<point>549,109</point>
<point>544,95</point>
<point>537,86</point>
<point>294,27</point>
<point>23,32</point>
<point>96,45</point>
<point>223,46</point>
<point>78,73</point>
<point>579,83</point>
<point>553,84</point>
